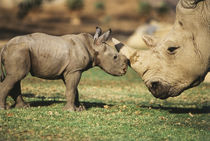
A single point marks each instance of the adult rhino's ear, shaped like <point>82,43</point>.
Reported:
<point>190,4</point>
<point>149,40</point>
<point>105,36</point>
<point>97,34</point>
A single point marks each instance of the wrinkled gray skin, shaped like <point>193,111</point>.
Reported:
<point>181,59</point>
<point>52,57</point>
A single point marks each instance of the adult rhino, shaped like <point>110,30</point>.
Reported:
<point>56,57</point>
<point>181,59</point>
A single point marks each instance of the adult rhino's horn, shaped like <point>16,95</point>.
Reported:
<point>190,4</point>
<point>118,45</point>
<point>123,49</point>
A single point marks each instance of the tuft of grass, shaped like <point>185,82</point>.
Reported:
<point>26,5</point>
<point>75,4</point>
<point>164,8</point>
<point>99,5</point>
<point>118,108</point>
<point>144,7</point>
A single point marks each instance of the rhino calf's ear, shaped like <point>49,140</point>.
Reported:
<point>97,34</point>
<point>149,40</point>
<point>105,36</point>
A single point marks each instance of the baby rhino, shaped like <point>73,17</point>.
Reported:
<point>52,57</point>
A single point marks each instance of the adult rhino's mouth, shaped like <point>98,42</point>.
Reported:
<point>162,89</point>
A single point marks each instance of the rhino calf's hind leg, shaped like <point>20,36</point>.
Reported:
<point>15,93</point>
<point>6,86</point>
<point>11,84</point>
<point>17,66</point>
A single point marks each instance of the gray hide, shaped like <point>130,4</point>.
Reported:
<point>56,57</point>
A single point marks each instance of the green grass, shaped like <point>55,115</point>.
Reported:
<point>118,108</point>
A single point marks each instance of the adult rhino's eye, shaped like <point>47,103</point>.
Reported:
<point>172,49</point>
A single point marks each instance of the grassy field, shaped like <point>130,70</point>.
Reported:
<point>118,108</point>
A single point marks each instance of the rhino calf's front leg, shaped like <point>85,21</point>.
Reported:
<point>71,81</point>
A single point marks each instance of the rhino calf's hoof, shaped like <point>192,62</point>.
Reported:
<point>81,108</point>
<point>2,108</point>
<point>22,105</point>
<point>19,105</point>
<point>74,108</point>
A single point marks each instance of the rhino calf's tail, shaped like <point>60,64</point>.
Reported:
<point>1,65</point>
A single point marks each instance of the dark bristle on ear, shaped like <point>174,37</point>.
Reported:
<point>110,30</point>
<point>98,28</point>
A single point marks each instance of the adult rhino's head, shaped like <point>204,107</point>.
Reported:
<point>182,58</point>
<point>107,57</point>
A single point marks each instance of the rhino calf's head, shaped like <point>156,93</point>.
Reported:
<point>107,57</point>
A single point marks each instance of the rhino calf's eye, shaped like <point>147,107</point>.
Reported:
<point>115,57</point>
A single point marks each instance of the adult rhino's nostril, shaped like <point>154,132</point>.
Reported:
<point>158,89</point>
<point>155,85</point>
<point>155,88</point>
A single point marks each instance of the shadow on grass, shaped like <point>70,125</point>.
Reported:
<point>178,110</point>
<point>36,101</point>
<point>47,101</point>
<point>89,105</point>
<point>44,103</point>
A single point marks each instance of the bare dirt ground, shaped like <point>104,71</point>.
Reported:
<point>55,18</point>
